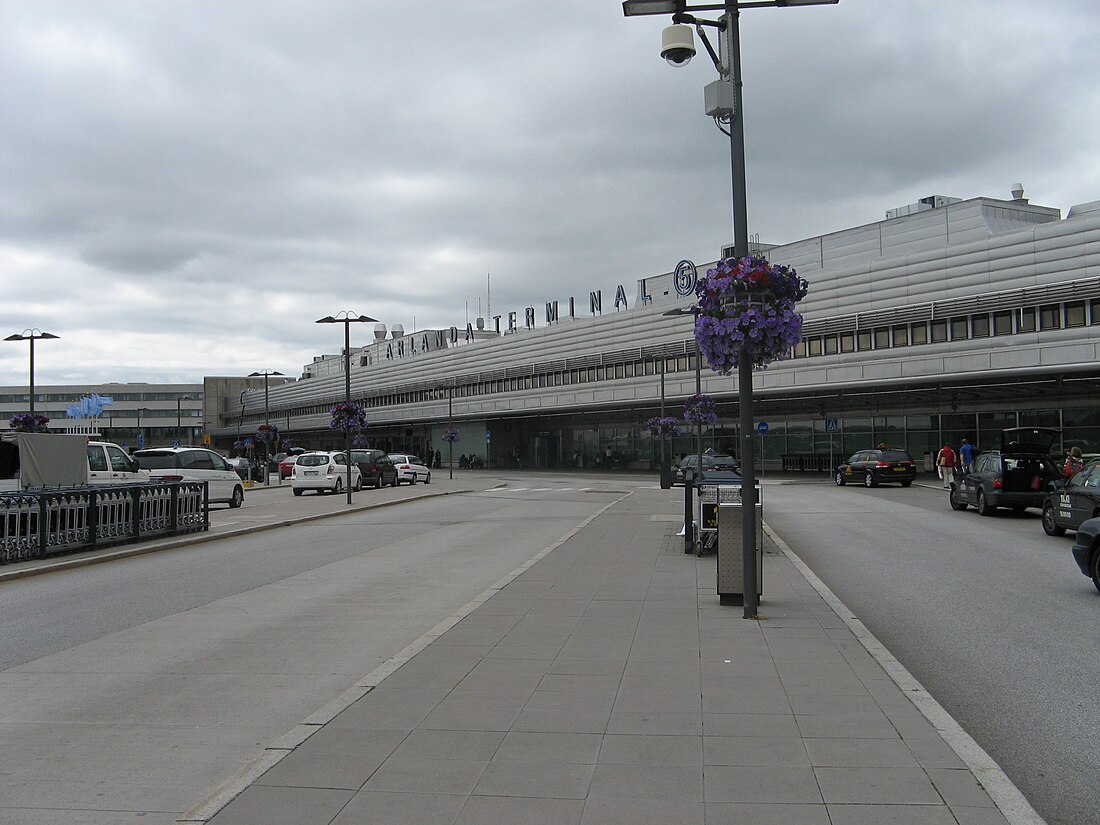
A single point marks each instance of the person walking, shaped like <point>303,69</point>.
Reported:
<point>1074,462</point>
<point>945,465</point>
<point>966,456</point>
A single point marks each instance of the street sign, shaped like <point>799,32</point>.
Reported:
<point>832,425</point>
<point>487,437</point>
<point>762,427</point>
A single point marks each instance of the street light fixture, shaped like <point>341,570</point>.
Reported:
<point>267,410</point>
<point>32,335</point>
<point>723,103</point>
<point>347,318</point>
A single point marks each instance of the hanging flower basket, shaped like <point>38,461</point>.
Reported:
<point>238,445</point>
<point>450,435</point>
<point>267,433</point>
<point>29,423</point>
<point>348,417</point>
<point>699,409</point>
<point>746,309</point>
<point>659,427</point>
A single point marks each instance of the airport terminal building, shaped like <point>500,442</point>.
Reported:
<point>950,318</point>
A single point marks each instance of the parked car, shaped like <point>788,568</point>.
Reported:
<point>286,466</point>
<point>410,468</point>
<point>248,469</point>
<point>688,466</point>
<point>1086,549</point>
<point>194,464</point>
<point>1017,476</point>
<point>325,472</point>
<point>109,464</point>
<point>882,465</point>
<point>376,466</point>
<point>1073,501</point>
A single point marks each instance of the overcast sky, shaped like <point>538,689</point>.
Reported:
<point>186,186</point>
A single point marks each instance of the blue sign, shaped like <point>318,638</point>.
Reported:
<point>762,427</point>
<point>832,425</point>
<point>487,437</point>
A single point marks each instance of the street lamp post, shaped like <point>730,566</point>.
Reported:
<point>267,412</point>
<point>347,318</point>
<point>31,335</point>
<point>723,103</point>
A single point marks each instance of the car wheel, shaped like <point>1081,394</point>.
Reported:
<point>358,485</point>
<point>298,491</point>
<point>428,479</point>
<point>238,498</point>
<point>869,480</point>
<point>338,487</point>
<point>983,506</point>
<point>1094,567</point>
<point>839,478</point>
<point>412,481</point>
<point>953,497</point>
<point>1050,526</point>
<point>396,481</point>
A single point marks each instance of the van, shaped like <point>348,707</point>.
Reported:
<point>108,464</point>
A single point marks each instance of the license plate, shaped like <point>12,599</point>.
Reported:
<point>899,469</point>
<point>312,472</point>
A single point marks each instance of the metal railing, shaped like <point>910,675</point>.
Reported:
<point>36,524</point>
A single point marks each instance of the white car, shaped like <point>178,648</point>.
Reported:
<point>108,465</point>
<point>410,469</point>
<point>194,464</point>
<point>324,472</point>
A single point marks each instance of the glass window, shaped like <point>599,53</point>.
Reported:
<point>832,345</point>
<point>1094,311</point>
<point>847,342</point>
<point>882,337</point>
<point>1075,314</point>
<point>1027,320</point>
<point>900,336</point>
<point>800,349</point>
<point>1002,322</point>
<point>814,345</point>
<point>1050,316</point>
<point>863,340</point>
<point>979,326</point>
<point>939,331</point>
<point>918,333</point>
<point>960,328</point>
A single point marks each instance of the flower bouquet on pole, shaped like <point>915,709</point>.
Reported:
<point>699,409</point>
<point>29,423</point>
<point>747,310</point>
<point>661,427</point>
<point>345,416</point>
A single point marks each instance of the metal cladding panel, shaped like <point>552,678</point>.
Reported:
<point>851,244</point>
<point>1079,353</point>
<point>1014,359</point>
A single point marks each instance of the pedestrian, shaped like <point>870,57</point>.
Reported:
<point>1074,462</point>
<point>945,465</point>
<point>438,459</point>
<point>966,456</point>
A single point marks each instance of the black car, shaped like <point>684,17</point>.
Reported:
<point>1017,477</point>
<point>882,465</point>
<point>1086,549</point>
<point>1072,502</point>
<point>376,466</point>
<point>686,469</point>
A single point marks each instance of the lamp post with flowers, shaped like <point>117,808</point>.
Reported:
<point>347,318</point>
<point>723,102</point>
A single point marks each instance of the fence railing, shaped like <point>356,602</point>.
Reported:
<point>36,524</point>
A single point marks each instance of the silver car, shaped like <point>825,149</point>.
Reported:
<point>410,469</point>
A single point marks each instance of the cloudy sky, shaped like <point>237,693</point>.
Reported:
<point>186,185</point>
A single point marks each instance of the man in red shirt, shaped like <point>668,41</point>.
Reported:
<point>945,461</point>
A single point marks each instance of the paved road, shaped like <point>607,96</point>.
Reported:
<point>131,689</point>
<point>990,614</point>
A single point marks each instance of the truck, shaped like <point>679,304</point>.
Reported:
<point>30,461</point>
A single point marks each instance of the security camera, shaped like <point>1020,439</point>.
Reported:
<point>677,44</point>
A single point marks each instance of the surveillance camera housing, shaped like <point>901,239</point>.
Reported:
<point>677,44</point>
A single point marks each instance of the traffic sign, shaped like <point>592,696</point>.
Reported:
<point>487,437</point>
<point>762,427</point>
<point>832,425</point>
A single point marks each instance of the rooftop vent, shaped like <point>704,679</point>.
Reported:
<point>923,205</point>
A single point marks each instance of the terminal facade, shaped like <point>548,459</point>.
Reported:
<point>949,319</point>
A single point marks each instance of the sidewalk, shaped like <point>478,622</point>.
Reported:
<point>603,683</point>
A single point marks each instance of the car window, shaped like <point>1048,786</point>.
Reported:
<point>414,460</point>
<point>339,458</point>
<point>97,463</point>
<point>120,462</point>
<point>157,461</point>
<point>1091,477</point>
<point>896,455</point>
<point>312,460</point>
<point>196,460</point>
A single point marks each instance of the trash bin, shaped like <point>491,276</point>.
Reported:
<point>731,559</point>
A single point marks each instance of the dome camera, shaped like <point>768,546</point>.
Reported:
<point>677,44</point>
